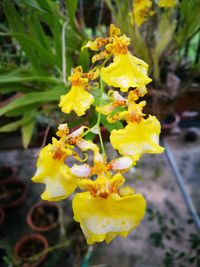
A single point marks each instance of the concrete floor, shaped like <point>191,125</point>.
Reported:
<point>154,179</point>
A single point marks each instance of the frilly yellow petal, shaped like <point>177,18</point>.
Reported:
<point>77,99</point>
<point>105,218</point>
<point>92,45</point>
<point>137,139</point>
<point>126,71</point>
<point>60,183</point>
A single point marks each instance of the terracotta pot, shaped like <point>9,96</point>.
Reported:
<point>2,216</point>
<point>12,193</point>
<point>43,216</point>
<point>29,246</point>
<point>169,122</point>
<point>7,173</point>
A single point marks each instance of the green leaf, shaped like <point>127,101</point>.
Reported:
<point>12,16</point>
<point>71,8</point>
<point>11,126</point>
<point>35,52</point>
<point>110,126</point>
<point>34,5</point>
<point>44,4</point>
<point>37,97</point>
<point>38,32</point>
<point>9,88</point>
<point>14,79</point>
<point>165,35</point>
<point>84,59</point>
<point>27,132</point>
<point>33,48</point>
<point>17,26</point>
<point>14,125</point>
<point>19,111</point>
<point>54,21</point>
<point>188,25</point>
<point>140,47</point>
<point>90,136</point>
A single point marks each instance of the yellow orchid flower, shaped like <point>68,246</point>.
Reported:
<point>132,74</point>
<point>133,114</point>
<point>52,171</point>
<point>134,71</point>
<point>101,167</point>
<point>167,3</point>
<point>132,111</point>
<point>104,211</point>
<point>141,11</point>
<point>99,42</point>
<point>117,101</point>
<point>137,139</point>
<point>78,98</point>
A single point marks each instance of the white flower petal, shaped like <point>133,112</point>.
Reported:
<point>118,97</point>
<point>122,163</point>
<point>54,188</point>
<point>63,126</point>
<point>95,130</point>
<point>78,132</point>
<point>81,170</point>
<point>98,158</point>
<point>86,145</point>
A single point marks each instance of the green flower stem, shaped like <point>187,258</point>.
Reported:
<point>63,53</point>
<point>105,61</point>
<point>99,121</point>
<point>97,124</point>
<point>36,257</point>
<point>62,223</point>
<point>100,136</point>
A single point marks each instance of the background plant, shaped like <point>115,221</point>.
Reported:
<point>168,235</point>
<point>165,34</point>
<point>38,38</point>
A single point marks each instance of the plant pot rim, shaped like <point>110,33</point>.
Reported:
<point>11,176</point>
<point>170,125</point>
<point>25,239</point>
<point>41,228</point>
<point>17,202</point>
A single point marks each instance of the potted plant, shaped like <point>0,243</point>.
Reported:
<point>43,216</point>
<point>169,122</point>
<point>12,193</point>
<point>28,250</point>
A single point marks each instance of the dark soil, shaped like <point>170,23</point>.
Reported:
<point>10,193</point>
<point>30,248</point>
<point>5,172</point>
<point>45,215</point>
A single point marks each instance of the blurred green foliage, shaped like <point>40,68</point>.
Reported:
<point>32,56</point>
<point>164,35</point>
